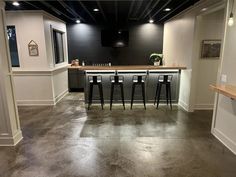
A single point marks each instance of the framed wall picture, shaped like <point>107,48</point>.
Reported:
<point>33,48</point>
<point>211,49</point>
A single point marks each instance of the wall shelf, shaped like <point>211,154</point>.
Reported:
<point>227,90</point>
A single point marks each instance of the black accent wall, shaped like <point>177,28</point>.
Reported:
<point>84,43</point>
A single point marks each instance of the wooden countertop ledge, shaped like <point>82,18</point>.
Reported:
<point>126,67</point>
<point>227,90</point>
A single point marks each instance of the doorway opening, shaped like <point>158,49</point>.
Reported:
<point>209,39</point>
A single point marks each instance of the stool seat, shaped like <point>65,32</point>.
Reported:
<point>162,80</point>
<point>98,81</point>
<point>119,81</point>
<point>136,81</point>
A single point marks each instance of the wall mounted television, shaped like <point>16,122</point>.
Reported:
<point>114,38</point>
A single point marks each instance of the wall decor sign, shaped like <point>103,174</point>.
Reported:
<point>33,48</point>
<point>211,49</point>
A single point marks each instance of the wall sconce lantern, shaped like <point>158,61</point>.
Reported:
<point>231,16</point>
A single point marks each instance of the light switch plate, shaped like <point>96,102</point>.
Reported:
<point>223,78</point>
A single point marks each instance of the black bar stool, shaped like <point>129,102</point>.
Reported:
<point>95,80</point>
<point>138,80</point>
<point>164,80</point>
<point>117,80</point>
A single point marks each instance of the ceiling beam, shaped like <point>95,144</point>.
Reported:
<point>131,7</point>
<point>116,11</point>
<point>164,6</point>
<point>53,8</point>
<point>27,2</point>
<point>139,4</point>
<point>70,10</point>
<point>87,11</point>
<point>101,9</point>
<point>174,10</point>
<point>153,7</point>
<point>145,9</point>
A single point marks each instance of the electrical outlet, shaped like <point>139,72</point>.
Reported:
<point>223,78</point>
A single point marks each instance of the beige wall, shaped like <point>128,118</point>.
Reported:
<point>179,48</point>
<point>224,119</point>
<point>210,27</point>
<point>60,87</point>
<point>38,81</point>
<point>178,40</point>
<point>33,88</point>
<point>29,26</point>
<point>185,26</point>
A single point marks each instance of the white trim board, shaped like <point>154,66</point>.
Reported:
<point>49,72</point>
<point>11,141</point>
<point>61,96</point>
<point>42,102</point>
<point>35,102</point>
<point>204,107</point>
<point>224,140</point>
<point>184,106</point>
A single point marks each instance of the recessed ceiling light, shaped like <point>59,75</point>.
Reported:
<point>151,21</point>
<point>95,10</point>
<point>15,3</point>
<point>119,32</point>
<point>204,9</point>
<point>167,9</point>
<point>78,21</point>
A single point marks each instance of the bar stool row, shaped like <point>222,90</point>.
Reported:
<point>118,80</point>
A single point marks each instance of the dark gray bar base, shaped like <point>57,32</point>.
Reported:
<point>151,84</point>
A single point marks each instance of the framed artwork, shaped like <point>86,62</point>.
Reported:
<point>211,49</point>
<point>33,48</point>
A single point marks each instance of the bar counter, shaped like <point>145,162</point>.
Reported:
<point>128,72</point>
<point>127,67</point>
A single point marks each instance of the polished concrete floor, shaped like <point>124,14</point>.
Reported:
<point>68,141</point>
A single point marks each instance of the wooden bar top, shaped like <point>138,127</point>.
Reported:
<point>227,90</point>
<point>127,67</point>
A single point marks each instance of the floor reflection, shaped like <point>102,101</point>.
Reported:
<point>66,140</point>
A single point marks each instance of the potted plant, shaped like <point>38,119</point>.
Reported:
<point>75,62</point>
<point>156,59</point>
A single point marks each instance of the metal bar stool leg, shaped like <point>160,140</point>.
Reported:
<point>122,95</point>
<point>132,98</point>
<point>169,85</point>
<point>111,97</point>
<point>167,97</point>
<point>143,93</point>
<point>90,95</point>
<point>156,93</point>
<point>101,94</point>
<point>159,94</point>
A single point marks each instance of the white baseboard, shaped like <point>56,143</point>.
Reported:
<point>225,140</point>
<point>60,96</point>
<point>11,141</point>
<point>42,102</point>
<point>204,107</point>
<point>35,102</point>
<point>184,106</point>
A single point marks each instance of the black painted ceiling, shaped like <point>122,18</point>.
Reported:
<point>112,12</point>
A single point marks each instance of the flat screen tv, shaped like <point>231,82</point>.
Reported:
<point>115,38</point>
